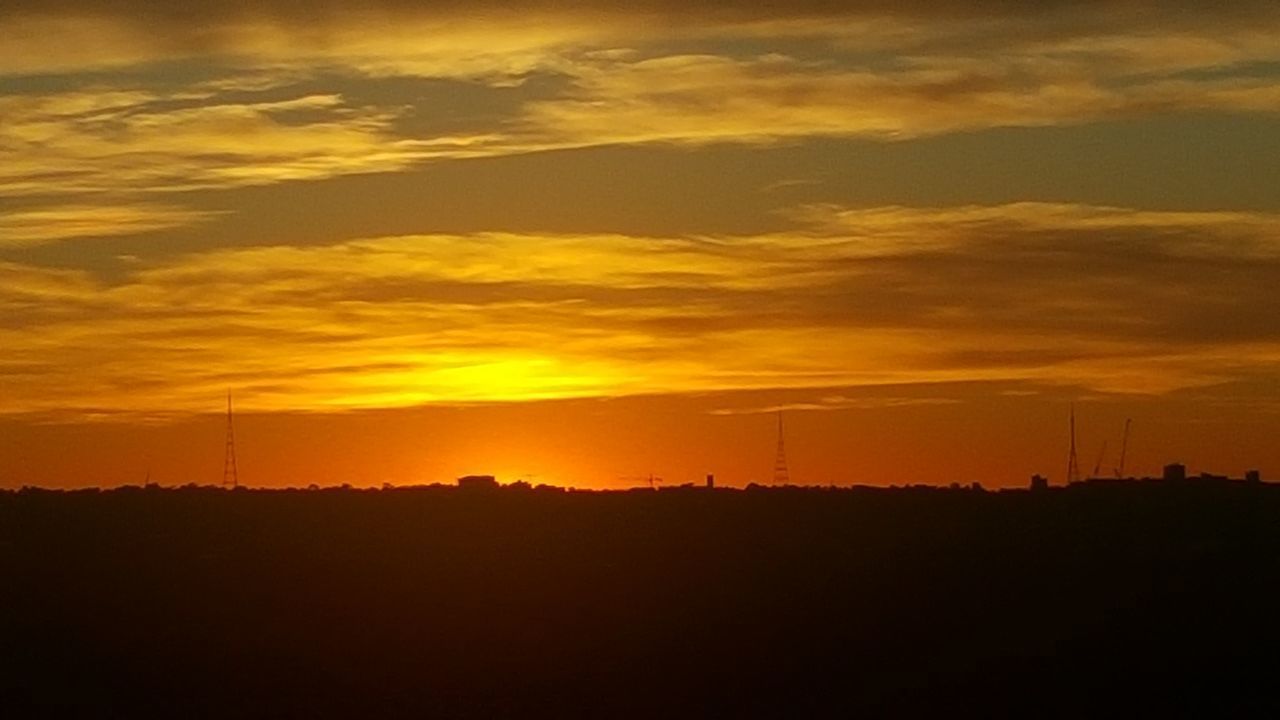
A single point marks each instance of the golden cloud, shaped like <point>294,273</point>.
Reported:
<point>651,72</point>
<point>39,225</point>
<point>254,127</point>
<point>1103,298</point>
<point>101,142</point>
<point>707,98</point>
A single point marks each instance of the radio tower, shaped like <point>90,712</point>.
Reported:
<point>1073,466</point>
<point>780,474</point>
<point>230,478</point>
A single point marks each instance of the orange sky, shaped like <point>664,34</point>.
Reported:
<point>997,434</point>
<point>596,243</point>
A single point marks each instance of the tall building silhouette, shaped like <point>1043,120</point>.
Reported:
<point>230,474</point>
<point>780,474</point>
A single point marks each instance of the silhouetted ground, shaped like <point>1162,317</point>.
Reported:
<point>1100,600</point>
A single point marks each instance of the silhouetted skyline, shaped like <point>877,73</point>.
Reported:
<point>1137,597</point>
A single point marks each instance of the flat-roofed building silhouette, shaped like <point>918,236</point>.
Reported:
<point>1175,472</point>
<point>477,482</point>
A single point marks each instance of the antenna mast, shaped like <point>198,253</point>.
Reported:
<point>780,474</point>
<point>1073,465</point>
<point>230,478</point>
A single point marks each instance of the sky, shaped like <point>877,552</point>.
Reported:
<point>581,243</point>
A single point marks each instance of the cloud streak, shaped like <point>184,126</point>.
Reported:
<point>41,225</point>
<point>1105,298</point>
<point>87,142</point>
<point>273,113</point>
<point>840,402</point>
<point>515,37</point>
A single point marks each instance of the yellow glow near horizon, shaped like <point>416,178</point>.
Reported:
<point>460,378</point>
<point>392,322</point>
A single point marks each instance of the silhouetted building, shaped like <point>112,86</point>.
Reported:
<point>478,482</point>
<point>1253,476</point>
<point>1039,482</point>
<point>711,481</point>
<point>1175,472</point>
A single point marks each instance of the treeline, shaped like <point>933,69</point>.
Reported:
<point>1102,599</point>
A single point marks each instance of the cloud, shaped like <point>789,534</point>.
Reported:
<point>840,402</point>
<point>24,286</point>
<point>205,12</point>
<point>713,98</point>
<point>44,224</point>
<point>1104,298</point>
<point>451,36</point>
<point>85,141</point>
<point>1202,234</point>
<point>273,121</point>
<point>102,38</point>
<point>109,95</point>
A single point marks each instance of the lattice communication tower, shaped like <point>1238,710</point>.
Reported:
<point>230,475</point>
<point>780,474</point>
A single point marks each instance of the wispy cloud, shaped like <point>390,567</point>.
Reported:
<point>39,225</point>
<point>714,98</point>
<point>840,402</point>
<point>1103,298</point>
<point>87,141</point>
<point>628,74</point>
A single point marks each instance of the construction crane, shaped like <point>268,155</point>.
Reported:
<point>1124,448</point>
<point>1073,467</point>
<point>653,480</point>
<point>1097,466</point>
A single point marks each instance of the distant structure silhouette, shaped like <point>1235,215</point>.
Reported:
<point>478,482</point>
<point>1175,472</point>
<point>1102,454</point>
<point>1124,448</point>
<point>652,480</point>
<point>780,474</point>
<point>230,474</point>
<point>1073,464</point>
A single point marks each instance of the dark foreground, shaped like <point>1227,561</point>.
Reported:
<point>1095,601</point>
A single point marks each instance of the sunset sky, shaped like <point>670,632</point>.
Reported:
<point>583,242</point>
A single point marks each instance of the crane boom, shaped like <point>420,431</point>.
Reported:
<point>1097,466</point>
<point>1124,448</point>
